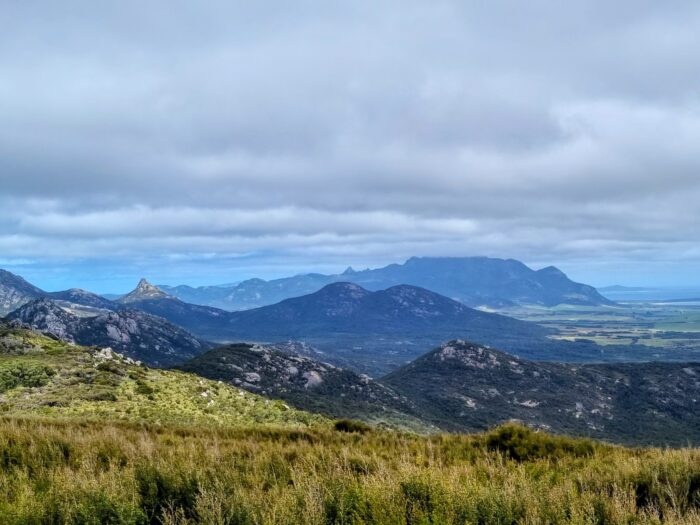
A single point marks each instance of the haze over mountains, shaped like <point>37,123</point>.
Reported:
<point>474,281</point>
<point>372,332</point>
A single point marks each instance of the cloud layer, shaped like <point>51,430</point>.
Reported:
<point>274,137</point>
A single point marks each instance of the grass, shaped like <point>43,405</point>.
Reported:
<point>73,472</point>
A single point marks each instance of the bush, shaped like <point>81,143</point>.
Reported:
<point>524,444</point>
<point>351,425</point>
<point>24,374</point>
<point>163,491</point>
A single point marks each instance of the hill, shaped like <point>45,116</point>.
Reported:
<point>474,281</point>
<point>76,296</point>
<point>136,334</point>
<point>463,386</point>
<point>306,384</point>
<point>15,291</point>
<point>40,376</point>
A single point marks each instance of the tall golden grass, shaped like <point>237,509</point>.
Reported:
<point>54,472</point>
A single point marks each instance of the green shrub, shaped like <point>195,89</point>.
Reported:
<point>144,388</point>
<point>26,374</point>
<point>351,425</point>
<point>161,491</point>
<point>524,444</point>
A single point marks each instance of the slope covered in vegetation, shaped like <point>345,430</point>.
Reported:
<point>59,472</point>
<point>49,378</point>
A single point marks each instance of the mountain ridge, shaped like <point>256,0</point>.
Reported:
<point>475,281</point>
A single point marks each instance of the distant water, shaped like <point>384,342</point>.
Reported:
<point>675,295</point>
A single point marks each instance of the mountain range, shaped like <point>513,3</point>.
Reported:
<point>347,334</point>
<point>474,281</point>
<point>371,332</point>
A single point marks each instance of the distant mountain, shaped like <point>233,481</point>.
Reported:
<point>136,334</point>
<point>144,291</point>
<point>204,321</point>
<point>15,291</point>
<point>375,332</point>
<point>474,281</point>
<point>370,332</point>
<point>83,298</point>
<point>306,384</point>
<point>463,386</point>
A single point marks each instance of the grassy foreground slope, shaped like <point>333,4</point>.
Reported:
<point>91,473</point>
<point>43,377</point>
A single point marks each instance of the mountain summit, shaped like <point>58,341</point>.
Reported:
<point>144,291</point>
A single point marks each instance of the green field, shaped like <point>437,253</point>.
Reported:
<point>667,327</point>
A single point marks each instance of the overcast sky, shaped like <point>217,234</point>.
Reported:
<point>206,142</point>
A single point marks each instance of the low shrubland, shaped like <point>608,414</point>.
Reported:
<point>57,472</point>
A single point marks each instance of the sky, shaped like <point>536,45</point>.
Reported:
<point>208,142</point>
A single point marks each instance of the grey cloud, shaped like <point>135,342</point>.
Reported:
<point>542,130</point>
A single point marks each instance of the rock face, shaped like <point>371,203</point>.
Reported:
<point>135,334</point>
<point>305,383</point>
<point>463,386</point>
<point>15,291</point>
<point>475,281</point>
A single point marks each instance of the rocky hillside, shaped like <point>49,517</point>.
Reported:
<point>475,281</point>
<point>76,296</point>
<point>15,291</point>
<point>306,384</point>
<point>43,376</point>
<point>463,386</point>
<point>136,334</point>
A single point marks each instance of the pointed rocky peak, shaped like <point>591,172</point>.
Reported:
<point>349,271</point>
<point>145,291</point>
